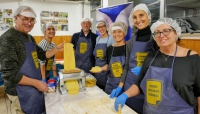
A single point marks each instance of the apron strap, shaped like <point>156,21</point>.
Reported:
<point>188,53</point>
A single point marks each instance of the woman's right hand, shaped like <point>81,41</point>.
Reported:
<point>96,69</point>
<point>96,72</point>
<point>115,92</point>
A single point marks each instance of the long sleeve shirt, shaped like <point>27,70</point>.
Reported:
<point>12,57</point>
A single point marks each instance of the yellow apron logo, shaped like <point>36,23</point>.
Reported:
<point>154,92</point>
<point>100,53</point>
<point>140,56</point>
<point>35,59</point>
<point>49,64</point>
<point>83,47</point>
<point>117,69</point>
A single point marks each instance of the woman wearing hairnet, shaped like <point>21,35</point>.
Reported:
<point>103,41</point>
<point>49,32</point>
<point>169,77</point>
<point>115,56</point>
<point>136,50</point>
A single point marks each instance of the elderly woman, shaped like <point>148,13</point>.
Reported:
<point>136,49</point>
<point>49,32</point>
<point>169,77</point>
<point>103,41</point>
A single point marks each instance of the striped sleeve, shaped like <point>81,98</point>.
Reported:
<point>44,45</point>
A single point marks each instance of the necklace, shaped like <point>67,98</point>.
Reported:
<point>164,56</point>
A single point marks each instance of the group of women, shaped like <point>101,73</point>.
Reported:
<point>149,72</point>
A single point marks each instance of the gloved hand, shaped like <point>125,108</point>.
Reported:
<point>120,100</point>
<point>136,70</point>
<point>44,80</point>
<point>115,92</point>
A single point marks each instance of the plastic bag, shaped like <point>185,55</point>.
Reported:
<point>90,80</point>
<point>51,85</point>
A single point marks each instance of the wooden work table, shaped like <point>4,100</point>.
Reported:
<point>71,104</point>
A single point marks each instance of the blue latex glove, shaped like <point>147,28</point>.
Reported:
<point>115,92</point>
<point>120,100</point>
<point>136,70</point>
<point>44,80</point>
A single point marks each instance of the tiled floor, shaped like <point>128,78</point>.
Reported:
<point>5,105</point>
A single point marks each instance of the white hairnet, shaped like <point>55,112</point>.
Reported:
<point>101,21</point>
<point>119,25</point>
<point>45,26</point>
<point>87,19</point>
<point>25,11</point>
<point>168,21</point>
<point>139,7</point>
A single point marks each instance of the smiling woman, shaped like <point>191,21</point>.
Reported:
<point>136,50</point>
<point>171,69</point>
<point>116,55</point>
<point>103,41</point>
<point>49,32</point>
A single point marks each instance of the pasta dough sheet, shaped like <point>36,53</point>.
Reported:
<point>103,105</point>
<point>72,86</point>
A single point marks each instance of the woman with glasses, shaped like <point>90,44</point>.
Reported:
<point>102,42</point>
<point>169,77</point>
<point>49,32</point>
<point>136,49</point>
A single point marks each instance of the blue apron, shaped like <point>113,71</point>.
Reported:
<point>161,96</point>
<point>83,54</point>
<point>31,100</point>
<point>101,60</point>
<point>48,66</point>
<point>115,67</point>
<point>136,103</point>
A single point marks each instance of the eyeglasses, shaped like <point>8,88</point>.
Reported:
<point>165,32</point>
<point>98,27</point>
<point>26,20</point>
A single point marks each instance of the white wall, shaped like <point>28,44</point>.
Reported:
<point>74,12</point>
<point>8,5</point>
<point>116,2</point>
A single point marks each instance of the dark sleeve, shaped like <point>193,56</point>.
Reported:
<point>128,51</point>
<point>108,53</point>
<point>94,37</point>
<point>74,39</point>
<point>41,53</point>
<point>197,76</point>
<point>9,60</point>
